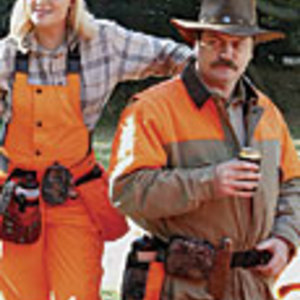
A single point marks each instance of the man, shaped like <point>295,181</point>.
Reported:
<point>175,167</point>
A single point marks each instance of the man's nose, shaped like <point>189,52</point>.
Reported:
<point>227,51</point>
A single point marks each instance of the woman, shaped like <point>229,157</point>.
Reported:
<point>58,67</point>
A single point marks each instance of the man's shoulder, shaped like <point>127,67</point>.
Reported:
<point>153,102</point>
<point>270,108</point>
<point>161,93</point>
<point>264,100</point>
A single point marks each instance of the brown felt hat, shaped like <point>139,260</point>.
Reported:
<point>234,17</point>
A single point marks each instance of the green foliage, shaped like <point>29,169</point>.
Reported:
<point>5,9</point>
<point>285,16</point>
<point>150,16</point>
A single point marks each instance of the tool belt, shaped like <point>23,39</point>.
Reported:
<point>20,216</point>
<point>87,179</point>
<point>188,258</point>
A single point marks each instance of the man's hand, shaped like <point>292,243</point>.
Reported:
<point>236,178</point>
<point>280,256</point>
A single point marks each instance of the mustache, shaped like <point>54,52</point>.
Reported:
<point>224,62</point>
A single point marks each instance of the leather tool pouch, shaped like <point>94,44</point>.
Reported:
<point>20,216</point>
<point>143,251</point>
<point>134,282</point>
<point>56,184</point>
<point>189,258</point>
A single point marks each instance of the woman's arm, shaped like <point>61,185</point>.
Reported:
<point>141,55</point>
<point>7,53</point>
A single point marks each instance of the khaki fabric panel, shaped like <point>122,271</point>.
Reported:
<point>253,219</point>
<point>163,193</point>
<point>287,224</point>
<point>197,153</point>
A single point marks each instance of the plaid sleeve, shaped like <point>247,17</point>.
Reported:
<point>7,55</point>
<point>141,55</point>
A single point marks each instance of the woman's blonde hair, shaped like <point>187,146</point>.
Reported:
<point>79,19</point>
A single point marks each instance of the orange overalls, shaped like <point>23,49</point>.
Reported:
<point>65,263</point>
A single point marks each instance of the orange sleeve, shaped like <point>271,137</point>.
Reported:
<point>141,184</point>
<point>290,163</point>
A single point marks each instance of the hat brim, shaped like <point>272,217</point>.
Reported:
<point>189,29</point>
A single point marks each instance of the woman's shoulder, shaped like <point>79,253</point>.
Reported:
<point>110,28</point>
<point>106,32</point>
<point>105,23</point>
<point>8,48</point>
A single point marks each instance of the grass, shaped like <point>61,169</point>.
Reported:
<point>110,295</point>
<point>102,144</point>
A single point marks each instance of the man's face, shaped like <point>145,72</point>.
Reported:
<point>222,58</point>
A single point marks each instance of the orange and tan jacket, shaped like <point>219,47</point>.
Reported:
<point>162,168</point>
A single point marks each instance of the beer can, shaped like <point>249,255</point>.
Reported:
<point>250,154</point>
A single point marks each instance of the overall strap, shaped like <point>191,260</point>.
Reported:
<point>74,66</point>
<point>73,60</point>
<point>21,62</point>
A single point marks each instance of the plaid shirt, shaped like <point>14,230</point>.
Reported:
<point>116,54</point>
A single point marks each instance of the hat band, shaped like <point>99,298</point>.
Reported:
<point>225,19</point>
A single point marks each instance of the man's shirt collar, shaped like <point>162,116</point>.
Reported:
<point>199,93</point>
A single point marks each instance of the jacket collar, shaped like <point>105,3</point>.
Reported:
<point>200,94</point>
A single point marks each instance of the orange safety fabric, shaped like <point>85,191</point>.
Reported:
<point>47,125</point>
<point>284,290</point>
<point>3,177</point>
<point>65,263</point>
<point>155,279</point>
<point>112,224</point>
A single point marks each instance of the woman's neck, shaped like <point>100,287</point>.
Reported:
<point>50,38</point>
